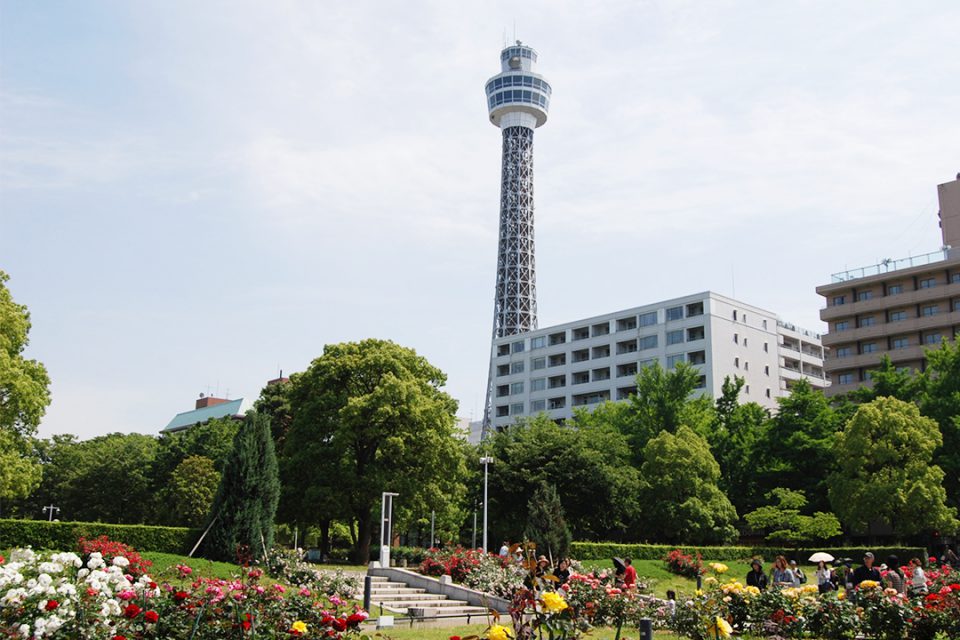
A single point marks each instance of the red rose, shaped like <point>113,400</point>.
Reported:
<point>340,624</point>
<point>118,637</point>
<point>356,618</point>
<point>51,605</point>
<point>151,617</point>
<point>454,637</point>
<point>180,596</point>
<point>131,611</point>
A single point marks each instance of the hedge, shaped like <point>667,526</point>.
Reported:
<point>607,550</point>
<point>63,536</point>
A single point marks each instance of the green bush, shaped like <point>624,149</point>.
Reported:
<point>63,536</point>
<point>605,550</point>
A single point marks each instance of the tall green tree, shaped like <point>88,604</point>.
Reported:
<point>243,512</point>
<point>20,472</point>
<point>190,493</point>
<point>588,464</point>
<point>24,384</point>
<point>797,448</point>
<point>274,402</point>
<point>890,381</point>
<point>886,474</point>
<point>546,526</point>
<point>679,497</point>
<point>940,400</point>
<point>783,523</point>
<point>370,417</point>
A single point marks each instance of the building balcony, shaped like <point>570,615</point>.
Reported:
<point>881,303</point>
<point>883,329</point>
<point>913,353</point>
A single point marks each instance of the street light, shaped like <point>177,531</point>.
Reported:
<point>51,509</point>
<point>486,461</point>
<point>386,530</point>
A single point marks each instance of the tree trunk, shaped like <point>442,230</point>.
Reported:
<point>325,539</point>
<point>364,537</point>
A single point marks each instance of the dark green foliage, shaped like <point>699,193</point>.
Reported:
<point>607,550</point>
<point>545,524</point>
<point>61,536</point>
<point>246,503</point>
<point>940,400</point>
<point>734,438</point>
<point>783,523</point>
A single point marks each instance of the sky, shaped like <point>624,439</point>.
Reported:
<point>196,195</point>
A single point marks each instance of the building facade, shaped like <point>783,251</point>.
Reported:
<point>898,308</point>
<point>557,369</point>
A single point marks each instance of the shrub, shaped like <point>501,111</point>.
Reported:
<point>288,566</point>
<point>684,564</point>
<point>607,550</point>
<point>110,549</point>
<point>59,536</point>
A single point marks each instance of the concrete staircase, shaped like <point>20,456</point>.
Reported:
<point>399,599</point>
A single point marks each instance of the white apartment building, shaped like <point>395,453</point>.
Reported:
<point>583,363</point>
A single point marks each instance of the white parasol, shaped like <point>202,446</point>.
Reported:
<point>821,556</point>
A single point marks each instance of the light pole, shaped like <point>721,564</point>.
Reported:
<point>386,530</point>
<point>51,509</point>
<point>486,461</point>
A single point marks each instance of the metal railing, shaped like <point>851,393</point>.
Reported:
<point>888,265</point>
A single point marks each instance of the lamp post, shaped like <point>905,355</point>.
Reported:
<point>386,529</point>
<point>51,509</point>
<point>486,461</point>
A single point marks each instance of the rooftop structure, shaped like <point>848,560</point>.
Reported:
<point>208,408</point>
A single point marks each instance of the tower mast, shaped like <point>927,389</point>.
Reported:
<point>518,100</point>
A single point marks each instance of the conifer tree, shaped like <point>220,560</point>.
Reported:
<point>546,525</point>
<point>246,502</point>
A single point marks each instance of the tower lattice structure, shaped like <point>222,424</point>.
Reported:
<point>518,100</point>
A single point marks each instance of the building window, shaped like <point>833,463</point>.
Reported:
<point>603,351</point>
<point>516,367</point>
<point>503,390</point>
<point>928,283</point>
<point>648,319</point>
<point>557,360</point>
<point>746,365</point>
<point>734,315</point>
<point>627,346</point>
<point>675,337</point>
<point>864,295</point>
<point>557,382</point>
<point>844,352</point>
<point>517,346</point>
<point>956,305</point>
<point>516,388</point>
<point>648,363</point>
<point>868,347</point>
<point>894,289</point>
<point>695,333</point>
<point>868,321</point>
<point>558,338</point>
<point>768,392</point>
<point>538,343</point>
<point>648,342</point>
<point>538,384</point>
<point>932,338</point>
<point>955,277</point>
<point>556,403</point>
<point>629,369</point>
<point>503,411</point>
<point>898,316</point>
<point>701,382</point>
<point>624,393</point>
<point>929,310</point>
<point>838,300</point>
<point>538,363</point>
<point>900,343</point>
<point>581,333</point>
<point>580,355</point>
<point>675,313</point>
<point>581,377</point>
<point>736,362</point>
<point>503,349</point>
<point>766,347</point>
<point>601,374</point>
<point>626,324</point>
<point>736,338</point>
<point>602,329</point>
<point>766,370</point>
<point>675,359</point>
<point>845,378</point>
<point>843,325</point>
<point>697,357</point>
<point>516,409</point>
<point>746,389</point>
<point>744,341</point>
<point>536,406</point>
<point>503,369</point>
<point>696,309</point>
<point>764,324</point>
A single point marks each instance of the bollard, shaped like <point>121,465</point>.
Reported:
<point>646,629</point>
<point>367,588</point>
<point>699,582</point>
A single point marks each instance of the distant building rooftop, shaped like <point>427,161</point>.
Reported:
<point>888,265</point>
<point>208,409</point>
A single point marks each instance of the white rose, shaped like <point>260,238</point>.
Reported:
<point>120,561</point>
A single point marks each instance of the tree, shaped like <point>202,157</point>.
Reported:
<point>889,381</point>
<point>370,417</point>
<point>19,473</point>
<point>189,496</point>
<point>588,464</point>
<point>796,450</point>
<point>545,524</point>
<point>940,400</point>
<point>784,523</point>
<point>886,473</point>
<point>243,512</point>
<point>24,384</point>
<point>274,402</point>
<point>679,497</point>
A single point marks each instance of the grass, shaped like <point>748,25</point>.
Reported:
<point>663,580</point>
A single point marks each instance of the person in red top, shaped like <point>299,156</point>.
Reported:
<point>630,574</point>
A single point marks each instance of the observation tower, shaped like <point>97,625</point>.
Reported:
<point>518,100</point>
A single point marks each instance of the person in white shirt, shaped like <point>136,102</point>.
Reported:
<point>505,549</point>
<point>918,579</point>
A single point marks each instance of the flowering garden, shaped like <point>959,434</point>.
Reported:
<point>105,591</point>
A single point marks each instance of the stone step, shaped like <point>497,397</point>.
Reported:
<point>394,597</point>
<point>395,588</point>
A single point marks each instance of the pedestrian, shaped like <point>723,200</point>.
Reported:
<point>797,572</point>
<point>505,549</point>
<point>918,579</point>
<point>672,602</point>
<point>629,574</point>
<point>893,578</point>
<point>756,577</point>
<point>952,559</point>
<point>563,572</point>
<point>824,577</point>
<point>782,576</point>
<point>866,571</point>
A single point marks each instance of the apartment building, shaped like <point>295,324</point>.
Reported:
<point>556,369</point>
<point>898,308</point>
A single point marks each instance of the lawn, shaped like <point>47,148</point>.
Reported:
<point>662,580</point>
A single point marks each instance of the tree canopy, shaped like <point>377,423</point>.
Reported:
<point>783,523</point>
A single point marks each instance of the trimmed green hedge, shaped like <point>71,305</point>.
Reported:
<point>62,536</point>
<point>605,550</point>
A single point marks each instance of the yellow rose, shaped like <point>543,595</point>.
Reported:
<point>752,590</point>
<point>719,567</point>
<point>720,628</point>
<point>299,626</point>
<point>869,584</point>
<point>553,602</point>
<point>499,632</point>
<point>842,595</point>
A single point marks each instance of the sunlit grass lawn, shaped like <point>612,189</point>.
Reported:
<point>663,580</point>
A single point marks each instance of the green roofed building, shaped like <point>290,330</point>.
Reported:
<point>209,408</point>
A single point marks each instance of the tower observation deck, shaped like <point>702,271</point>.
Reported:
<point>518,100</point>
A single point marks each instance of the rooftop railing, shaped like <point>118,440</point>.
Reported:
<point>888,265</point>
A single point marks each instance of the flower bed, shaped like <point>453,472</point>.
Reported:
<point>684,564</point>
<point>475,569</point>
<point>64,595</point>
